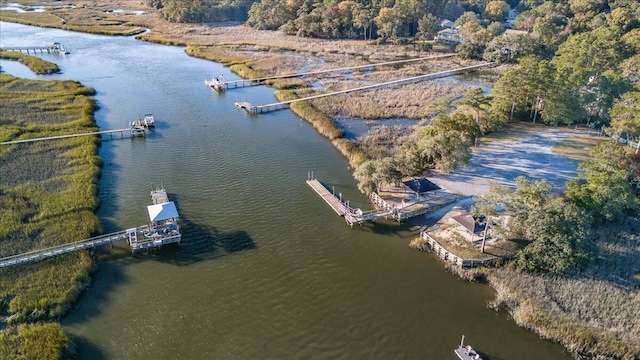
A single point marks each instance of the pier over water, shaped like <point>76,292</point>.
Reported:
<point>53,48</point>
<point>163,229</point>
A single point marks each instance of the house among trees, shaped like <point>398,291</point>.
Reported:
<point>449,33</point>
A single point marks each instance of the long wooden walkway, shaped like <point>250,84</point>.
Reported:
<point>220,85</point>
<point>253,109</point>
<point>56,48</point>
<point>42,254</point>
<point>122,131</point>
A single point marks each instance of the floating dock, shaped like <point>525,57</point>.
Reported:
<point>351,215</point>
<point>397,211</point>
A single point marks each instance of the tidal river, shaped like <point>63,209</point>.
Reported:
<point>266,270</point>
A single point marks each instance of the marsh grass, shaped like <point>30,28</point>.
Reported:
<point>36,341</point>
<point>47,197</point>
<point>593,313</point>
<point>86,20</point>
<point>34,63</point>
<point>325,126</point>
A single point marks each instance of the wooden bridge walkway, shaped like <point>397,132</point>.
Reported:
<point>132,132</point>
<point>254,109</point>
<point>42,254</point>
<point>220,85</point>
<point>56,48</point>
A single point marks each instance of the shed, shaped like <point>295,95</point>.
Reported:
<point>162,211</point>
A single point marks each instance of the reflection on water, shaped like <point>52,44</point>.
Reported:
<point>265,269</point>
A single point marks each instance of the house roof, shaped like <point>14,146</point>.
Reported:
<point>469,223</point>
<point>447,23</point>
<point>420,185</point>
<point>162,211</point>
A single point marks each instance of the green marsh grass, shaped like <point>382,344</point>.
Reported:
<point>45,341</point>
<point>69,19</point>
<point>48,192</point>
<point>34,63</point>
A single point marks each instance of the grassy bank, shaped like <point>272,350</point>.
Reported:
<point>93,22</point>
<point>594,314</point>
<point>47,197</point>
<point>36,64</point>
<point>37,341</point>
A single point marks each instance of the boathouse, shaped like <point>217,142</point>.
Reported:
<point>163,227</point>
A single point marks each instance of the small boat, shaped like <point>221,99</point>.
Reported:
<point>149,121</point>
<point>466,352</point>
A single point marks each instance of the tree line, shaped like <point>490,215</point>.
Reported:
<point>197,11</point>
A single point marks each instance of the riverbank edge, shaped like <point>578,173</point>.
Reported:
<point>580,341</point>
<point>24,328</point>
<point>239,65</point>
<point>37,65</point>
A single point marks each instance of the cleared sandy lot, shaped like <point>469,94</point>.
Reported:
<point>526,153</point>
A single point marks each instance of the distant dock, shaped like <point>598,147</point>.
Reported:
<point>55,48</point>
<point>254,109</point>
<point>218,83</point>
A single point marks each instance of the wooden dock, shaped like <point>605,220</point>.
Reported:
<point>399,212</point>
<point>162,230</point>
<point>132,131</point>
<point>55,48</point>
<point>351,215</point>
<point>218,84</point>
<point>331,199</point>
<point>254,109</point>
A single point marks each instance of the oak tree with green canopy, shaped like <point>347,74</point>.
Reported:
<point>561,239</point>
<point>372,175</point>
<point>625,115</point>
<point>608,185</point>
